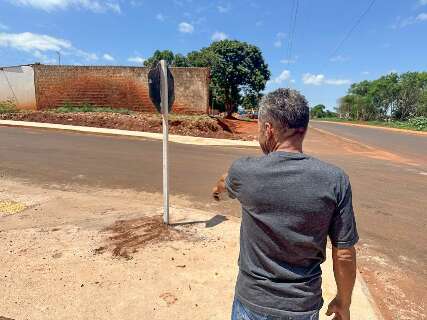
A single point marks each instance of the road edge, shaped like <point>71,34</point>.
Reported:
<point>129,133</point>
<point>413,132</point>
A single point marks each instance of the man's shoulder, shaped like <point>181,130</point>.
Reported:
<point>328,169</point>
<point>246,163</point>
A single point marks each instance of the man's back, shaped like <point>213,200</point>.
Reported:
<point>290,203</point>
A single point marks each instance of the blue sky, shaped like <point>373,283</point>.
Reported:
<point>391,37</point>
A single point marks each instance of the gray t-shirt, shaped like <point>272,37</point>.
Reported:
<point>290,203</point>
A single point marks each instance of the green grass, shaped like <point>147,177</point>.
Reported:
<point>68,108</point>
<point>416,124</point>
<point>7,107</point>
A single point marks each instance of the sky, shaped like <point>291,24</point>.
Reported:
<point>320,48</point>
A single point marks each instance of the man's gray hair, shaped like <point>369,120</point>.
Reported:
<point>284,108</point>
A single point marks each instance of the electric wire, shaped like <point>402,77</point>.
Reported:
<point>351,30</point>
<point>10,86</point>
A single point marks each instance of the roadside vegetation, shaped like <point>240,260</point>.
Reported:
<point>394,100</point>
<point>417,124</point>
<point>70,108</point>
<point>7,107</point>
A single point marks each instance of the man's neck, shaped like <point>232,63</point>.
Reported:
<point>290,145</point>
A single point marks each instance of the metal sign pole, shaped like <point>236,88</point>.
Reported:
<point>165,112</point>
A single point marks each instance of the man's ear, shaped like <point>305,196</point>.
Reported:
<point>268,129</point>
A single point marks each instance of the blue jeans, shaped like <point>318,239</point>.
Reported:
<point>240,312</point>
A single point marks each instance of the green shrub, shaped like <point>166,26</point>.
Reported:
<point>419,123</point>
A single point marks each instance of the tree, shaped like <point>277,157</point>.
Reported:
<point>399,97</point>
<point>237,67</point>
<point>251,101</point>
<point>238,70</point>
<point>318,111</point>
<point>422,104</point>
<point>175,60</point>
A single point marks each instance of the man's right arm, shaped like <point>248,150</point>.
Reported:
<point>344,263</point>
<point>343,235</point>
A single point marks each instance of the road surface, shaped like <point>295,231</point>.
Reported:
<point>389,195</point>
<point>406,144</point>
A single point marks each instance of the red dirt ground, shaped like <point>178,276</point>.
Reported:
<point>199,126</point>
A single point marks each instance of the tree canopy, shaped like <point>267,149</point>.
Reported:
<point>394,96</point>
<point>238,71</point>
<point>319,111</point>
<point>176,60</point>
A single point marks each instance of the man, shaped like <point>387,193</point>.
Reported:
<point>290,203</point>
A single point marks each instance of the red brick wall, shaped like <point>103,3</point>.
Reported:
<point>117,87</point>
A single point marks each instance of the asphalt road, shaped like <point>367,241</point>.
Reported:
<point>405,144</point>
<point>390,198</point>
<point>61,159</point>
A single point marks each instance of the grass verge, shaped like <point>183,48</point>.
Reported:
<point>68,108</point>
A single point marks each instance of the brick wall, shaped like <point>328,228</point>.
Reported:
<point>117,87</point>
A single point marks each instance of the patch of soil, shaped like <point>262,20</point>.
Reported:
<point>246,129</point>
<point>199,126</point>
<point>130,235</point>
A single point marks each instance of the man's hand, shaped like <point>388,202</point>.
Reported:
<point>219,188</point>
<point>340,310</point>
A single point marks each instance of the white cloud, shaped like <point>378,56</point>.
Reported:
<point>421,17</point>
<point>337,82</point>
<point>282,77</point>
<point>320,79</point>
<point>136,59</point>
<point>51,5</point>
<point>43,58</point>
<point>365,73</point>
<point>28,41</point>
<point>108,57</point>
<point>40,43</point>
<point>259,23</point>
<point>279,39</point>
<point>185,27</point>
<point>218,36</point>
<point>422,2</point>
<point>136,3</point>
<point>160,17</point>
<point>339,58</point>
<point>3,26</point>
<point>89,56</point>
<point>223,9</point>
<point>402,23</point>
<point>314,79</point>
<point>289,61</point>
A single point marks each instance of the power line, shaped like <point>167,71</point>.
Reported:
<point>292,29</point>
<point>349,33</point>
<point>10,86</point>
<point>291,19</point>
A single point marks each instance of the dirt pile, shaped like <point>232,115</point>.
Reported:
<point>130,235</point>
<point>200,126</point>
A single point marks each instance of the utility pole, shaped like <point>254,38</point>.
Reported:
<point>59,57</point>
<point>165,113</point>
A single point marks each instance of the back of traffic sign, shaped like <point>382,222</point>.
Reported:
<point>154,85</point>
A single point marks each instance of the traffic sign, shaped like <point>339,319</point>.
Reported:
<point>154,86</point>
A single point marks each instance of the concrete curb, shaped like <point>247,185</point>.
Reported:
<point>118,132</point>
<point>417,133</point>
